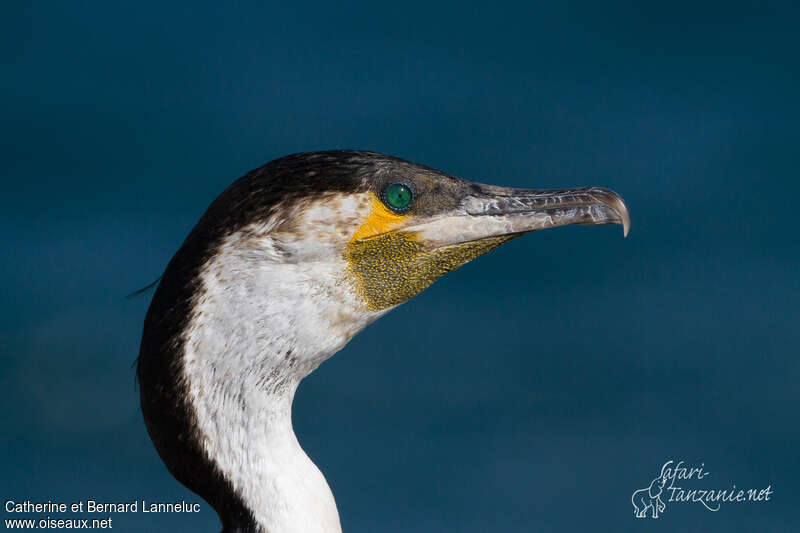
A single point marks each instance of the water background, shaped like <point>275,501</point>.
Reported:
<point>537,387</point>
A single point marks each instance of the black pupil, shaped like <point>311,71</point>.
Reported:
<point>398,196</point>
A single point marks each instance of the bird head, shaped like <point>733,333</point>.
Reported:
<point>305,251</point>
<point>395,227</point>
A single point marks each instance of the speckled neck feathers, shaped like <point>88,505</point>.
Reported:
<point>228,336</point>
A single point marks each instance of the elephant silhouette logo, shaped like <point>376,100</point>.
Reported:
<point>650,497</point>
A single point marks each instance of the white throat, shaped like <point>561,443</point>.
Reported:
<point>259,325</point>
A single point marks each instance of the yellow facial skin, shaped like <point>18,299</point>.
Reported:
<point>380,220</point>
<point>389,267</point>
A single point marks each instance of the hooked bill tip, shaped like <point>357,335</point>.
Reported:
<point>615,202</point>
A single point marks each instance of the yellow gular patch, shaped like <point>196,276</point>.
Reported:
<point>379,221</point>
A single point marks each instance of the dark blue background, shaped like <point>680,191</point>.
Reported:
<point>538,386</point>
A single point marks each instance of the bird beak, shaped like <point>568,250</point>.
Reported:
<point>489,212</point>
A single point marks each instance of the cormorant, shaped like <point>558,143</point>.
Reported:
<point>282,270</point>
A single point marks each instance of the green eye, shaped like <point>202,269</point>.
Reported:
<point>398,196</point>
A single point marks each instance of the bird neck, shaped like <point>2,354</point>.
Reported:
<point>255,332</point>
<point>248,433</point>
